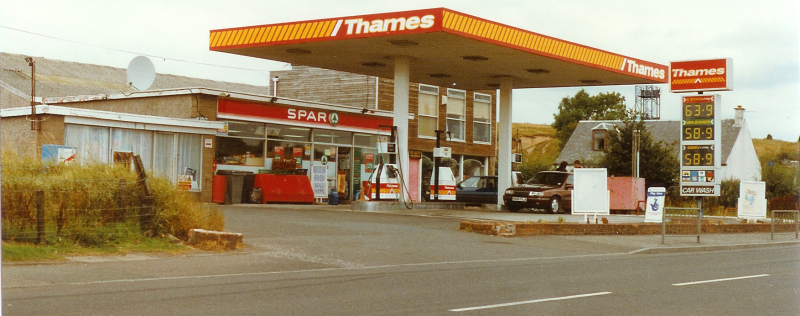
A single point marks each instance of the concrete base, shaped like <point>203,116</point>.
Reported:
<point>377,206</point>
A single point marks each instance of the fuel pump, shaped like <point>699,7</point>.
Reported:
<point>443,182</point>
<point>385,181</point>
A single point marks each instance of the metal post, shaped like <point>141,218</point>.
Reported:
<point>699,217</point>
<point>772,226</point>
<point>40,217</point>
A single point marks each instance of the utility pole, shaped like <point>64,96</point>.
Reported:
<point>34,122</point>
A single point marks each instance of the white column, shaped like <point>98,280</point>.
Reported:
<point>504,138</point>
<point>401,90</point>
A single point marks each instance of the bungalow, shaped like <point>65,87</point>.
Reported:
<point>739,158</point>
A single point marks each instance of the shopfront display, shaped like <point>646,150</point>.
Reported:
<point>278,140</point>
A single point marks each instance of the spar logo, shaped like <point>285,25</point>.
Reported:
<point>313,116</point>
<point>361,26</point>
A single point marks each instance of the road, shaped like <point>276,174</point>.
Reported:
<point>314,262</point>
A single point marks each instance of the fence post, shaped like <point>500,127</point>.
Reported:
<point>771,225</point>
<point>40,217</point>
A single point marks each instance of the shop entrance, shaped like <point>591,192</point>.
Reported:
<point>344,183</point>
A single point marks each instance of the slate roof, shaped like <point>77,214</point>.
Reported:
<point>57,78</point>
<point>579,145</point>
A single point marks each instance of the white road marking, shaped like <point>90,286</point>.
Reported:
<point>529,302</point>
<point>722,280</point>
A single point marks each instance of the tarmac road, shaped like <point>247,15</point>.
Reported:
<point>305,260</point>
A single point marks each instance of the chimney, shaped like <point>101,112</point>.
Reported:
<point>739,116</point>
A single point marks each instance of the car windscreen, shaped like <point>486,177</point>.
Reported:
<point>546,178</point>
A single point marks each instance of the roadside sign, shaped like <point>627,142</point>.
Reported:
<point>700,144</point>
<point>654,210</point>
<point>701,75</point>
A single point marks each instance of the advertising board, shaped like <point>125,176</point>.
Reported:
<point>701,75</point>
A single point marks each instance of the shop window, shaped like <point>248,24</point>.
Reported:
<point>297,134</point>
<point>482,118</point>
<point>428,119</point>
<point>190,161</point>
<point>91,142</point>
<point>134,141</point>
<point>456,114</point>
<point>341,138</point>
<point>288,157</point>
<point>246,129</point>
<point>363,140</point>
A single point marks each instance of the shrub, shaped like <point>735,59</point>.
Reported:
<point>91,205</point>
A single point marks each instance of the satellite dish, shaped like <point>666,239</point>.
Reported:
<point>141,73</point>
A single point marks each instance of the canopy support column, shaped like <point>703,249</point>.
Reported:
<point>504,138</point>
<point>401,91</point>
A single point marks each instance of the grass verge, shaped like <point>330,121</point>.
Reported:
<point>58,251</point>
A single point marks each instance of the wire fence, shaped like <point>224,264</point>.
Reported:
<point>681,222</point>
<point>41,209</point>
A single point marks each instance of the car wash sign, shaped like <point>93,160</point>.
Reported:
<point>701,75</point>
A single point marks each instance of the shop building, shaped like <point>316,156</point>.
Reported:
<point>184,131</point>
<point>468,117</point>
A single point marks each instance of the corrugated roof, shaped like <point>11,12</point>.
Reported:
<point>579,145</point>
<point>58,78</point>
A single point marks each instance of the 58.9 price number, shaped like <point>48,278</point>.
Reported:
<point>703,132</point>
<point>698,156</point>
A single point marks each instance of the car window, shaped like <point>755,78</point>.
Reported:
<point>548,178</point>
<point>470,182</point>
<point>570,180</point>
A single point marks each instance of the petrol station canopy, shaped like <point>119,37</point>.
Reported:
<point>444,47</point>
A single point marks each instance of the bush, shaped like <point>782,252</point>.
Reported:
<point>91,205</point>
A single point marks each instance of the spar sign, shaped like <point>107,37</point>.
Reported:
<point>701,75</point>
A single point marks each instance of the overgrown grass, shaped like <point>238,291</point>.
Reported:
<point>94,208</point>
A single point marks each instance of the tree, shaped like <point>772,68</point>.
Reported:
<point>604,106</point>
<point>657,160</point>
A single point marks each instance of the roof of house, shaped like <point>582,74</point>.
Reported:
<point>579,145</point>
<point>57,78</point>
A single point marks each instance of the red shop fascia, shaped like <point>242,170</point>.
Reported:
<point>346,119</point>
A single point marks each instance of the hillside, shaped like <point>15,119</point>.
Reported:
<point>536,142</point>
<point>776,150</point>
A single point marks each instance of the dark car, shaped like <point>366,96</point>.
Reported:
<point>549,190</point>
<point>477,190</point>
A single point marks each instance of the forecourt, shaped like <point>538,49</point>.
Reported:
<point>440,47</point>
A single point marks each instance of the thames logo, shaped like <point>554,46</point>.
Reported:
<point>333,118</point>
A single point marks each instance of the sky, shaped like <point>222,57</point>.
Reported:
<point>761,37</point>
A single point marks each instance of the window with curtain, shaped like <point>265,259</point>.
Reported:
<point>482,118</point>
<point>164,159</point>
<point>134,141</point>
<point>456,100</point>
<point>428,119</point>
<point>190,158</point>
<point>91,142</point>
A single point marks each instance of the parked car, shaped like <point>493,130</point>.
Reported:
<point>549,190</point>
<point>477,190</point>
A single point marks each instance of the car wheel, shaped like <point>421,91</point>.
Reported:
<point>555,205</point>
<point>514,209</point>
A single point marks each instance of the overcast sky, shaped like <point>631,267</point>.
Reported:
<point>760,36</point>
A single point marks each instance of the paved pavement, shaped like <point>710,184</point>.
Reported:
<point>635,244</point>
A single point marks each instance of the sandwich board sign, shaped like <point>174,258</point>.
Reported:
<point>654,208</point>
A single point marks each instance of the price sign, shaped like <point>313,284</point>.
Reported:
<point>700,142</point>
<point>698,155</point>
<point>698,118</point>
